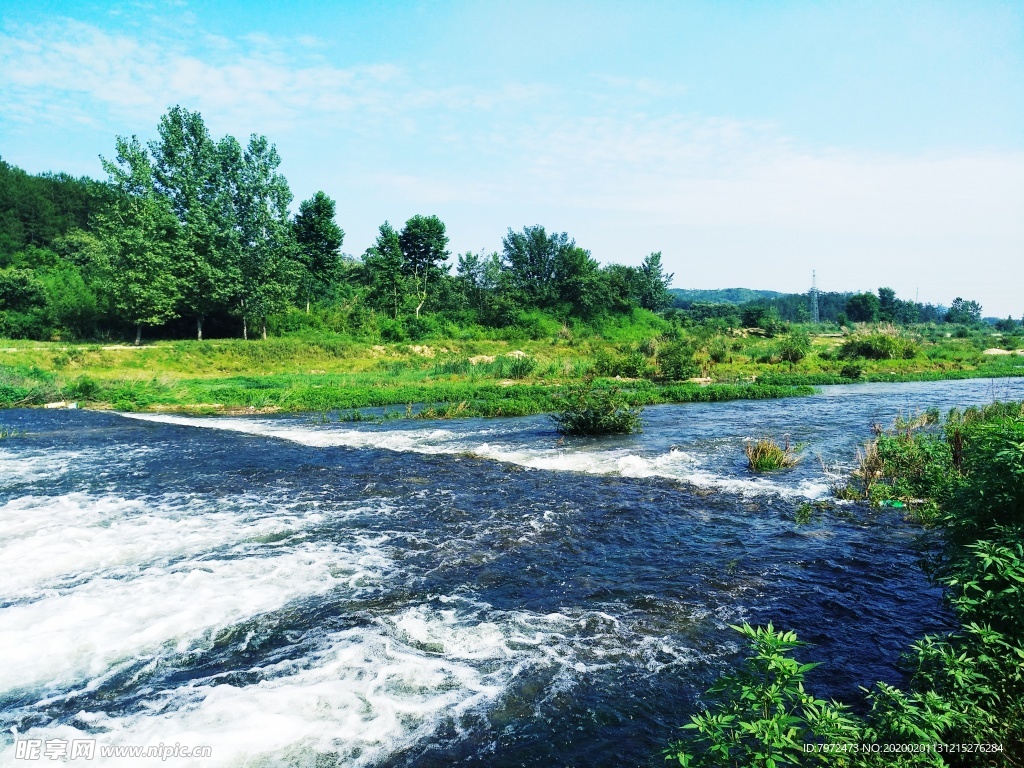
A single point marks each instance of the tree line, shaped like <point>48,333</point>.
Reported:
<point>189,228</point>
<point>833,307</point>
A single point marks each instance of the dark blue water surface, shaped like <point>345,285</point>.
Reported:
<point>474,592</point>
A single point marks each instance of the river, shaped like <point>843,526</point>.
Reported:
<point>471,592</point>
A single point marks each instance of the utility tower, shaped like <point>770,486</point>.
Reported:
<point>815,317</point>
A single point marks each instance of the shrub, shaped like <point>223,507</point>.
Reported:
<point>632,365</point>
<point>452,366</point>
<point>85,388</point>
<point>794,347</point>
<point>675,361</point>
<point>881,345</point>
<point>521,367</point>
<point>852,371</point>
<point>764,716</point>
<point>586,410</point>
<point>718,349</point>
<point>765,455</point>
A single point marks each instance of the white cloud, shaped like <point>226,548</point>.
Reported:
<point>100,74</point>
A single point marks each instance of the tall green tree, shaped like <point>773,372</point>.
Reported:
<point>319,240</point>
<point>580,286</point>
<point>963,311</point>
<point>424,245</point>
<point>653,283</point>
<point>385,276</point>
<point>187,170</point>
<point>863,307</point>
<point>139,241</point>
<point>531,259</point>
<point>480,274</point>
<point>37,209</point>
<point>267,267</point>
<point>888,305</point>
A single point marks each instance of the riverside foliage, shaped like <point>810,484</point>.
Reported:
<point>965,687</point>
<point>194,236</point>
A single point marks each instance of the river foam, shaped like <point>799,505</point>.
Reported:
<point>673,464</point>
<point>371,691</point>
<point>67,637</point>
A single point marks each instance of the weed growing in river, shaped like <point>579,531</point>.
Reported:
<point>765,454</point>
<point>586,410</point>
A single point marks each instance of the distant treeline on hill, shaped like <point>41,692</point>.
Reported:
<point>743,306</point>
<point>685,297</point>
<point>190,236</point>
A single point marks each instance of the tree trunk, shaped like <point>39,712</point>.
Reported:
<point>245,329</point>
<point>263,327</point>
<point>138,334</point>
<point>307,306</point>
<point>199,329</point>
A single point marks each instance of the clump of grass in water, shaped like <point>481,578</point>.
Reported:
<point>765,455</point>
<point>810,512</point>
<point>589,411</point>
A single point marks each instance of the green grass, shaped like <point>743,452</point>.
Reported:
<point>766,455</point>
<point>460,376</point>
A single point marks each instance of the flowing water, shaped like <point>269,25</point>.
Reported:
<point>474,592</point>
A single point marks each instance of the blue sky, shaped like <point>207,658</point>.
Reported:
<point>750,142</point>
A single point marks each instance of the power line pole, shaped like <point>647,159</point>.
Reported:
<point>815,317</point>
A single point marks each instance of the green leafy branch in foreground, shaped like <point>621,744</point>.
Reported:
<point>765,716</point>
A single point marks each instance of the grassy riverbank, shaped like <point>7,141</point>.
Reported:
<point>448,377</point>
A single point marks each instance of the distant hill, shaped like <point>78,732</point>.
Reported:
<point>686,296</point>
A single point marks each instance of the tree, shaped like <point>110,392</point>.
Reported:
<point>424,248</point>
<point>765,318</point>
<point>1009,325</point>
<point>653,284</point>
<point>480,274</point>
<point>887,305</point>
<point>579,284</point>
<point>319,241</point>
<point>384,274</point>
<point>531,257</point>
<point>863,308</point>
<point>139,241</point>
<point>37,209</point>
<point>267,267</point>
<point>622,287</point>
<point>963,311</point>
<point>188,170</point>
